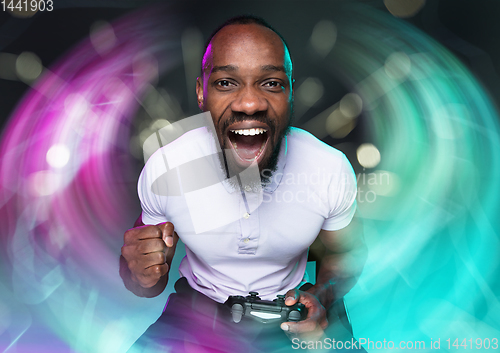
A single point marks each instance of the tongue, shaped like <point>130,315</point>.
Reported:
<point>248,147</point>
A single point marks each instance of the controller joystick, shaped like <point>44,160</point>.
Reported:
<point>237,312</point>
<point>264,311</point>
<point>294,316</point>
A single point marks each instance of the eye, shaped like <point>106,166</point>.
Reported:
<point>274,84</point>
<point>223,83</point>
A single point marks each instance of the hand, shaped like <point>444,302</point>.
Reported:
<point>312,327</point>
<point>148,251</point>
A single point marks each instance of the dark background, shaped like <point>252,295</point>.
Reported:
<point>470,29</point>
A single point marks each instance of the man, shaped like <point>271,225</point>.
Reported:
<point>246,84</point>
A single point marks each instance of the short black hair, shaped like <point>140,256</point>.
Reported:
<point>245,20</point>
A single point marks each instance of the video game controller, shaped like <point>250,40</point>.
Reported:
<point>265,311</point>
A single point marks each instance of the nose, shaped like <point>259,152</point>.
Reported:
<point>249,101</point>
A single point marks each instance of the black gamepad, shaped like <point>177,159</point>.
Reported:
<point>264,311</point>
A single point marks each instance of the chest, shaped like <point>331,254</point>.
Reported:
<point>278,225</point>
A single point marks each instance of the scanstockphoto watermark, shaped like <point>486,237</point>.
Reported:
<point>321,185</point>
<point>366,343</point>
<point>326,343</point>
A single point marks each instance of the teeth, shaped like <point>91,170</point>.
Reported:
<point>249,132</point>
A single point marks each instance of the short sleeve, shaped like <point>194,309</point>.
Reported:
<point>152,203</point>
<point>342,197</point>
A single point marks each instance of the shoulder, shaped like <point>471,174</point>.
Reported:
<point>164,162</point>
<point>304,147</point>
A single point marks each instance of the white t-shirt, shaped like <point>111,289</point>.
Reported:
<point>241,240</point>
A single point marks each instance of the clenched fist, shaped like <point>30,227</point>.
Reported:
<point>148,252</point>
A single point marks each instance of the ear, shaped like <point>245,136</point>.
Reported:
<point>199,92</point>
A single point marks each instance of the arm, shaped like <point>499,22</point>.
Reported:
<point>146,257</point>
<point>341,261</point>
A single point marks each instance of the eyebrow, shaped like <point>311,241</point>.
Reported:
<point>227,68</point>
<point>232,68</point>
<point>273,68</point>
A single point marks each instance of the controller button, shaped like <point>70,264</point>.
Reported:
<point>280,300</point>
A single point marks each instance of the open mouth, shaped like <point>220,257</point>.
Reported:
<point>248,141</point>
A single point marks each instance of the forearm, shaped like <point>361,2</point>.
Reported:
<point>338,273</point>
<point>135,287</point>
